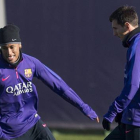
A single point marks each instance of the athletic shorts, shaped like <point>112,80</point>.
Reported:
<point>124,132</point>
<point>38,132</point>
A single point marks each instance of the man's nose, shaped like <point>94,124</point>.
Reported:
<point>9,51</point>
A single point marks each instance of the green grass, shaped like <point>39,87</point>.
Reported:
<point>76,135</point>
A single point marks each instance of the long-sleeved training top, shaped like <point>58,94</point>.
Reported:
<point>129,99</point>
<point>19,98</point>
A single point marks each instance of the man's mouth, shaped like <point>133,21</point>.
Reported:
<point>10,58</point>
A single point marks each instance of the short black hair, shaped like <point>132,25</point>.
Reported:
<point>125,14</point>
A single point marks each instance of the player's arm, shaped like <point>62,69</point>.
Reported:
<point>52,80</point>
<point>130,88</point>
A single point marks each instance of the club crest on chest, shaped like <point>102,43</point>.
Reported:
<point>28,72</point>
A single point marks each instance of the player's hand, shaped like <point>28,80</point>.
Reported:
<point>106,124</point>
<point>97,119</point>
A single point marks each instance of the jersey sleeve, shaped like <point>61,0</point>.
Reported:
<point>56,83</point>
<point>3,136</point>
<point>131,86</point>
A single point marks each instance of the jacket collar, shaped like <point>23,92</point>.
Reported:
<point>128,37</point>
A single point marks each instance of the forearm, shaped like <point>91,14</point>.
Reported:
<point>57,84</point>
<point>71,97</point>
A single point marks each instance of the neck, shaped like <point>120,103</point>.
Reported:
<point>17,60</point>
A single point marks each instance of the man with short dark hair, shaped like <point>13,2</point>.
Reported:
<point>19,119</point>
<point>125,26</point>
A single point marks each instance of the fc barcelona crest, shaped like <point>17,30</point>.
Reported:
<point>28,72</point>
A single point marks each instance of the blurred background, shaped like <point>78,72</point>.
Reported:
<point>74,38</point>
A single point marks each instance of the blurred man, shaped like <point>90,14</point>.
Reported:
<point>125,26</point>
<point>19,119</point>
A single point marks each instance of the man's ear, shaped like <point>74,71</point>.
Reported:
<point>20,46</point>
<point>127,25</point>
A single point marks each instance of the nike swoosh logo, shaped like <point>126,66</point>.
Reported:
<point>14,39</point>
<point>44,125</point>
<point>4,79</point>
<point>128,131</point>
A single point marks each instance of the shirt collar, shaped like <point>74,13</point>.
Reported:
<point>129,36</point>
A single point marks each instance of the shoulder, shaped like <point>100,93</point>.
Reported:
<point>135,41</point>
<point>32,61</point>
<point>137,37</point>
<point>29,58</point>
